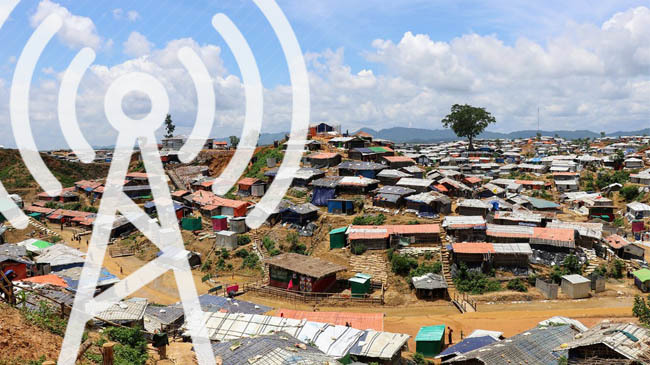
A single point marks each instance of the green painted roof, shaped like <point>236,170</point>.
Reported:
<point>377,149</point>
<point>541,203</point>
<point>431,333</point>
<point>643,275</point>
<point>338,230</point>
<point>42,244</point>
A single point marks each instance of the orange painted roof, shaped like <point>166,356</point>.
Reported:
<point>323,155</point>
<point>616,241</point>
<point>554,234</point>
<point>361,321</point>
<point>248,181</point>
<point>137,175</point>
<point>473,247</point>
<point>47,279</point>
<point>399,159</point>
<point>415,228</point>
<point>473,179</point>
<point>441,188</point>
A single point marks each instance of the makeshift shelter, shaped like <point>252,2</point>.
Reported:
<point>335,341</point>
<point>226,239</point>
<point>192,224</point>
<point>376,347</point>
<point>391,176</point>
<point>430,286</point>
<point>642,279</point>
<point>251,186</point>
<point>428,204</point>
<point>391,196</point>
<point>13,257</point>
<point>324,160</point>
<point>469,207</point>
<point>305,175</point>
<point>430,340</point>
<point>536,346</point>
<point>625,249</point>
<point>464,346</point>
<point>238,225</point>
<point>358,168</point>
<point>396,162</point>
<point>276,348</point>
<point>219,223</point>
<point>360,285</point>
<point>128,312</point>
<point>340,206</point>
<point>465,228</point>
<point>576,286</point>
<point>419,185</point>
<point>338,238</point>
<point>299,214</point>
<point>610,343</point>
<point>357,184</point>
<point>324,189</point>
<point>297,272</point>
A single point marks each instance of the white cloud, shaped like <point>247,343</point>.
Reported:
<point>137,45</point>
<point>591,76</point>
<point>133,15</point>
<point>76,32</point>
<point>118,13</point>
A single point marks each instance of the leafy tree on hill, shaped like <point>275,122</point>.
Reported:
<point>468,121</point>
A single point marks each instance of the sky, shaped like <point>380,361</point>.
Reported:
<point>372,63</point>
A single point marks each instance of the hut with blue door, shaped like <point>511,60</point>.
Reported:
<point>340,206</point>
<point>324,189</point>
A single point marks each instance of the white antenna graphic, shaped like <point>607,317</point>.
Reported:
<point>165,234</point>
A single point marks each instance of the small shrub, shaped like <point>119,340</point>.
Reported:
<point>358,249</point>
<point>629,192</point>
<point>517,285</point>
<point>402,265</point>
<point>242,253</point>
<point>243,239</point>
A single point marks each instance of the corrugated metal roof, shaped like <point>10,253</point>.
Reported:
<point>575,279</point>
<point>273,349</point>
<point>379,345</point>
<point>461,222</point>
<point>333,340</point>
<point>410,181</point>
<point>512,248</point>
<point>362,321</point>
<point>429,281</point>
<point>125,311</point>
<point>616,337</point>
<point>533,347</point>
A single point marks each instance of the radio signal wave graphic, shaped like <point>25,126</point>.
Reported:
<point>164,233</point>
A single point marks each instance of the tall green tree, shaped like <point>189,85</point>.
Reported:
<point>169,127</point>
<point>234,141</point>
<point>468,121</point>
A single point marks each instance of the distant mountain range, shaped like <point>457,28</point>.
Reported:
<point>421,135</point>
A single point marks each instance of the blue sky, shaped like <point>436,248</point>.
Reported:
<point>373,63</point>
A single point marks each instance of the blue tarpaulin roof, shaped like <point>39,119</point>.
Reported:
<point>467,345</point>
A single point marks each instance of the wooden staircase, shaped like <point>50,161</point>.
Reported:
<point>593,261</point>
